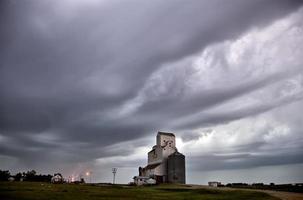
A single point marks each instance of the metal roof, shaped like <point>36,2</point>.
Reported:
<point>152,166</point>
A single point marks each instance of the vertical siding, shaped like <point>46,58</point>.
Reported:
<point>176,168</point>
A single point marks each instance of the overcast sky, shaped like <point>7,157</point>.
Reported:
<point>86,85</point>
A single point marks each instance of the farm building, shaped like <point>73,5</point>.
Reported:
<point>214,184</point>
<point>165,164</point>
<point>57,178</point>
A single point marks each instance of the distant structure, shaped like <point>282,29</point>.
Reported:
<point>165,164</point>
<point>214,184</point>
<point>143,180</point>
<point>114,170</point>
<point>57,178</point>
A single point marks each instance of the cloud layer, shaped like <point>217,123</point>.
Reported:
<point>88,84</point>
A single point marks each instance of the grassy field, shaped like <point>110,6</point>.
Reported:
<point>34,191</point>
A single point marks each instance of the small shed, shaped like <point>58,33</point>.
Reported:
<point>57,178</point>
<point>144,180</point>
<point>11,179</point>
<point>214,184</point>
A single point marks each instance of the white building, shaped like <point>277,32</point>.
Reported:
<point>214,184</point>
<point>165,164</point>
<point>143,180</point>
<point>57,178</point>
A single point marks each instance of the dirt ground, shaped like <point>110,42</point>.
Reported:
<point>278,194</point>
<point>284,195</point>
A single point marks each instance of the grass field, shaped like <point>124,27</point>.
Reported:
<point>34,191</point>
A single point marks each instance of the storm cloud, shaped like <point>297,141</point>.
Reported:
<point>87,84</point>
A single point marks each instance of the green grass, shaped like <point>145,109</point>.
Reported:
<point>43,191</point>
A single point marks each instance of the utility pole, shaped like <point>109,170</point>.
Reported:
<point>114,170</point>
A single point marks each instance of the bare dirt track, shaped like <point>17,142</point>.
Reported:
<point>278,194</point>
<point>284,195</point>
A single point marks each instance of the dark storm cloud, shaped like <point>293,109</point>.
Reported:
<point>184,104</point>
<point>65,69</point>
<point>208,119</point>
<point>253,158</point>
<point>244,161</point>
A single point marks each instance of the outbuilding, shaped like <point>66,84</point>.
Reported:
<point>57,178</point>
<point>214,184</point>
<point>143,180</point>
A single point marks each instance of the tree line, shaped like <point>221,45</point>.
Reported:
<point>31,175</point>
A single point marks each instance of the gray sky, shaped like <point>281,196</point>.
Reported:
<point>86,85</point>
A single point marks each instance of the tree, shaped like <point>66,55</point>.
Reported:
<point>4,175</point>
<point>30,175</point>
<point>18,176</point>
<point>82,180</point>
